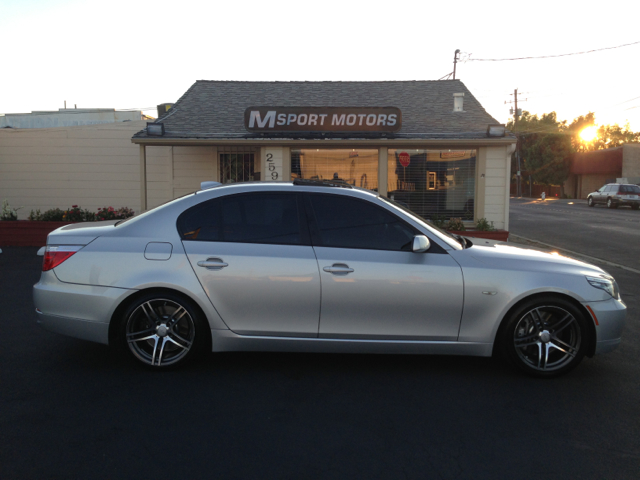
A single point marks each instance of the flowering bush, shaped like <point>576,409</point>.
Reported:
<point>109,213</point>
<point>77,214</point>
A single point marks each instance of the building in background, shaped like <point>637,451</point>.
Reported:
<point>427,144</point>
<point>68,117</point>
<point>591,170</point>
<point>86,159</point>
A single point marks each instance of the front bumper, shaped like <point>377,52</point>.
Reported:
<point>610,318</point>
<point>80,311</point>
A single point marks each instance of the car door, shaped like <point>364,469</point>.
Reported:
<point>373,285</point>
<point>252,254</point>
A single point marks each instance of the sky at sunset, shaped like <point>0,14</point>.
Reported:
<point>129,54</point>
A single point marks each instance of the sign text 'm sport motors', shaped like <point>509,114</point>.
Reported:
<point>322,119</point>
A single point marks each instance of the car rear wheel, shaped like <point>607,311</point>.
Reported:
<point>590,201</point>
<point>162,330</point>
<point>610,203</point>
<point>546,337</point>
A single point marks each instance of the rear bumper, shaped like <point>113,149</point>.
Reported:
<point>80,311</point>
<point>610,316</point>
<point>629,203</point>
<point>75,327</point>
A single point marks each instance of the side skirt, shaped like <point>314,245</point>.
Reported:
<point>227,341</point>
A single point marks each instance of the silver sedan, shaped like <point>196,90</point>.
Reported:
<point>317,267</point>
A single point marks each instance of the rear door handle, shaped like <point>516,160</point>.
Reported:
<point>338,269</point>
<point>213,264</point>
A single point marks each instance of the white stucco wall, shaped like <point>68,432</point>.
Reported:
<point>91,166</point>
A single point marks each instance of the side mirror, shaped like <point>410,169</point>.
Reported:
<point>420,244</point>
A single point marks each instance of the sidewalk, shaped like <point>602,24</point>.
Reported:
<point>552,200</point>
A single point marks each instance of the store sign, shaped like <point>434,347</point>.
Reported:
<point>323,119</point>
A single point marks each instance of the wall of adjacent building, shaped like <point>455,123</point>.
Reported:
<point>91,166</point>
<point>492,185</point>
<point>631,160</point>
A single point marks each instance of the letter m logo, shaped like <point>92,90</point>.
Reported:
<point>255,117</point>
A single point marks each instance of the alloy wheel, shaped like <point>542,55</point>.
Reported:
<point>547,338</point>
<point>160,332</point>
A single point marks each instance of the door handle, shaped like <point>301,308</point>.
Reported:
<point>213,264</point>
<point>338,269</point>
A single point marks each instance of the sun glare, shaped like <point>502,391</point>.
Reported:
<point>589,133</point>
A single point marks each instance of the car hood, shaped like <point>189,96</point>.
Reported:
<point>509,257</point>
<point>80,233</point>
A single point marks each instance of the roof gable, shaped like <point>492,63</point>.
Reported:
<point>215,109</point>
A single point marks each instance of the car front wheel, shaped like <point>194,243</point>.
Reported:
<point>590,201</point>
<point>162,330</point>
<point>546,337</point>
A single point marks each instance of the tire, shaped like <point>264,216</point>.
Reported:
<point>610,204</point>
<point>162,330</point>
<point>590,202</point>
<point>635,206</point>
<point>545,337</point>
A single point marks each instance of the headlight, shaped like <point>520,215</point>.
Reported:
<point>606,283</point>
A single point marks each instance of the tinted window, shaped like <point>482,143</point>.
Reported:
<point>246,218</point>
<point>352,223</point>
<point>629,189</point>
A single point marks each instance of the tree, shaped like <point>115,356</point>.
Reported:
<point>547,144</point>
<point>544,146</point>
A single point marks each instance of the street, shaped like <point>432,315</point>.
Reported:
<point>74,409</point>
<point>609,234</point>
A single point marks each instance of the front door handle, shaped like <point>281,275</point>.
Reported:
<point>213,264</point>
<point>338,269</point>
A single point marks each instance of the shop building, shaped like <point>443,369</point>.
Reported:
<point>427,144</point>
<point>591,170</point>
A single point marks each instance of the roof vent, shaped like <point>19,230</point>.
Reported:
<point>457,102</point>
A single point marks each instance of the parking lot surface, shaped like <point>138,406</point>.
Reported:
<point>600,232</point>
<point>73,409</point>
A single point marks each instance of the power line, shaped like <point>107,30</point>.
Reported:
<point>549,56</point>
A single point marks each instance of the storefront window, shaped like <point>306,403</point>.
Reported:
<point>433,183</point>
<point>237,165</point>
<point>357,167</point>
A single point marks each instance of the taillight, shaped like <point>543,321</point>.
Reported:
<point>56,254</point>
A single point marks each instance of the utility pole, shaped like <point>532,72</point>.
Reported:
<point>455,60</point>
<point>515,127</point>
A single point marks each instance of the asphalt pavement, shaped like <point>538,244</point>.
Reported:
<point>609,234</point>
<point>74,409</point>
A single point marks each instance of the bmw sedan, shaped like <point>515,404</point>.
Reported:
<point>317,267</point>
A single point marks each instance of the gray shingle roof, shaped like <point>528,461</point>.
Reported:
<point>215,109</point>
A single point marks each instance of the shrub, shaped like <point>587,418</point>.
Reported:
<point>455,224</point>
<point>35,215</point>
<point>439,221</point>
<point>8,213</point>
<point>52,215</point>
<point>484,225</point>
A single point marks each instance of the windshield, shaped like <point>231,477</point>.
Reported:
<point>441,234</point>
